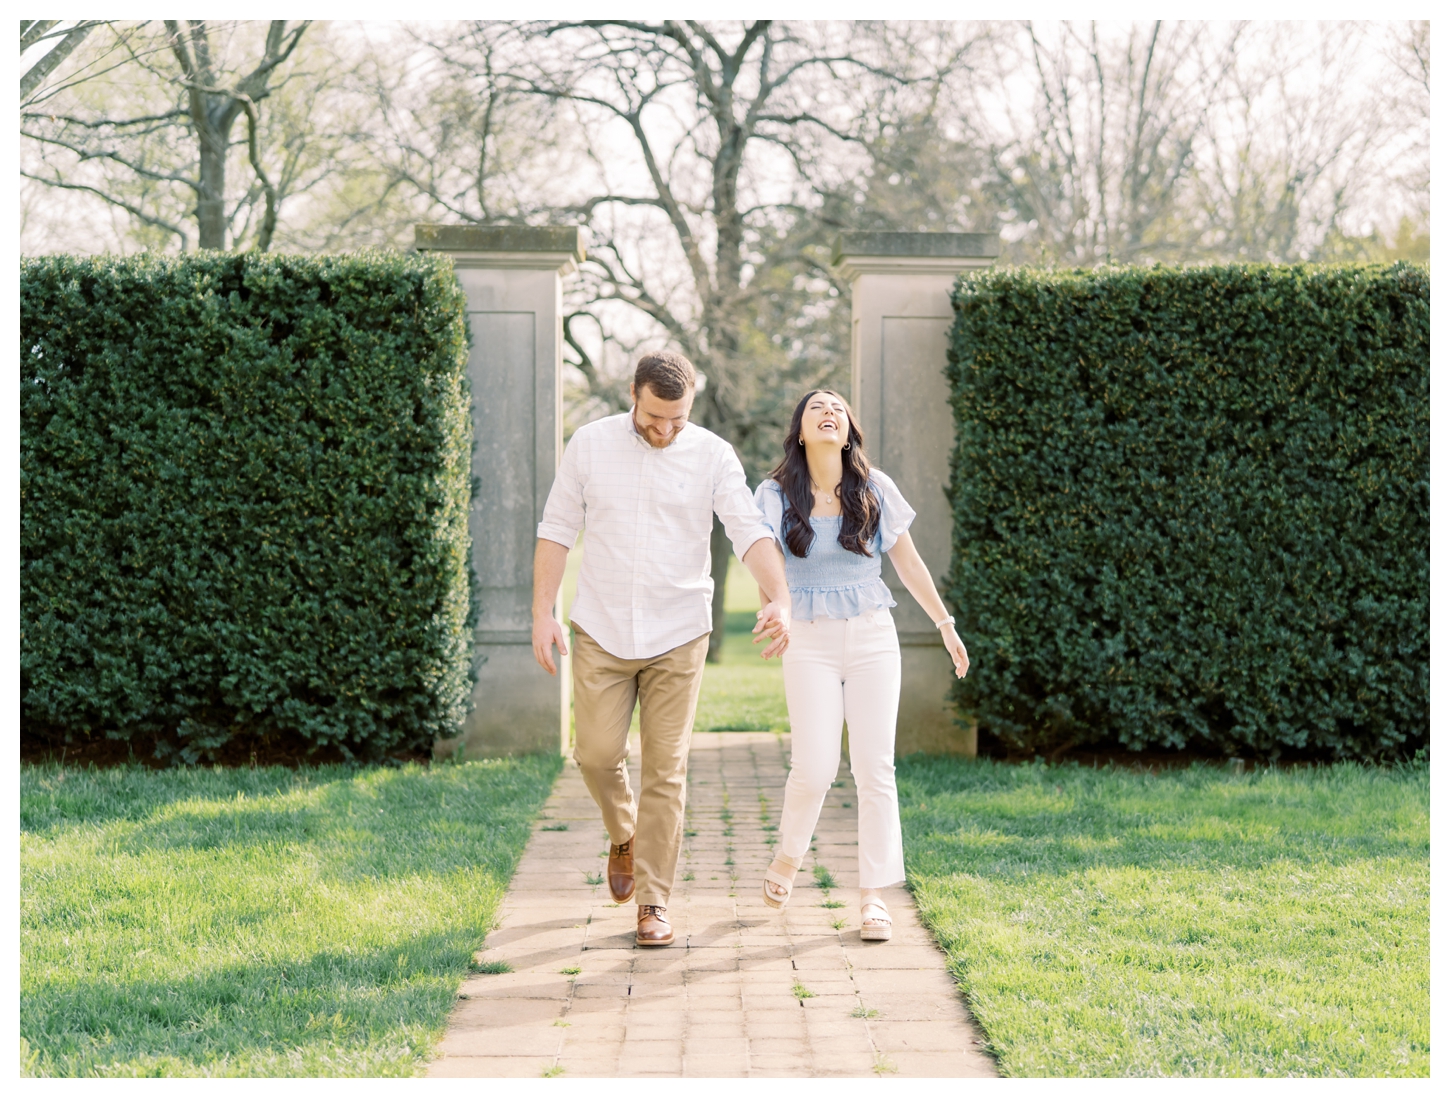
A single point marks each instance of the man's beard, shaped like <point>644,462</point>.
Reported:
<point>650,437</point>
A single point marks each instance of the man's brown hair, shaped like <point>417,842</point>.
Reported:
<point>670,376</point>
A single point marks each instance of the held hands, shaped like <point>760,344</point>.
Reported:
<point>956,649</point>
<point>547,633</point>
<point>772,623</point>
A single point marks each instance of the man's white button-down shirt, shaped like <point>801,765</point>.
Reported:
<point>644,585</point>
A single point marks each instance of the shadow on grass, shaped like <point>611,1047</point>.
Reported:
<point>333,1007</point>
<point>353,814</point>
<point>281,922</point>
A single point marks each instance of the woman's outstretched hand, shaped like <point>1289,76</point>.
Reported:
<point>956,649</point>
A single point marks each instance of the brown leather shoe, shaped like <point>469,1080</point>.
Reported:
<point>653,929</point>
<point>621,870</point>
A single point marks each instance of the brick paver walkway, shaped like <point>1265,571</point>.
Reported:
<point>729,998</point>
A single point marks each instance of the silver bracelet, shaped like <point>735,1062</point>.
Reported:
<point>948,620</point>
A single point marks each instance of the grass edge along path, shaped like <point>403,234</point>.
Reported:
<point>1189,923</point>
<point>310,922</point>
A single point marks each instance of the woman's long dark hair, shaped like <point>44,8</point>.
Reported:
<point>860,512</point>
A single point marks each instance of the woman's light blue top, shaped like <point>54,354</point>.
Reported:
<point>831,581</point>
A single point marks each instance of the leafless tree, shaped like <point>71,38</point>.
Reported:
<point>1091,135</point>
<point>1188,142</point>
<point>470,146</point>
<point>1408,105</point>
<point>1291,151</point>
<point>180,136</point>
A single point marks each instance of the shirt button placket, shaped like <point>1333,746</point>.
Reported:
<point>641,540</point>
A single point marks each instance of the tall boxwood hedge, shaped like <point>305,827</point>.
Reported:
<point>244,498</point>
<point>1192,507</point>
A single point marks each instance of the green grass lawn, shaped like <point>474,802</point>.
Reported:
<point>1113,923</point>
<point>258,922</point>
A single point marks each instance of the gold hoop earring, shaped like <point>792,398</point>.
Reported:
<point>845,447</point>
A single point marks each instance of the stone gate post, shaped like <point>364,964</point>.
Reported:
<point>513,278</point>
<point>900,314</point>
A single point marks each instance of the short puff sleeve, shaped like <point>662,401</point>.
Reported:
<point>772,506</point>
<point>896,513</point>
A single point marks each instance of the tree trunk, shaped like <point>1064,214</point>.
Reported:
<point>211,214</point>
<point>719,569</point>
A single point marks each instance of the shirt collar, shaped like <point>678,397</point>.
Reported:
<point>633,431</point>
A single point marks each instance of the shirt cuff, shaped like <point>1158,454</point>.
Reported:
<point>752,534</point>
<point>561,534</point>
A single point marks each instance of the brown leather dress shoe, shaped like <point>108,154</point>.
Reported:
<point>653,929</point>
<point>621,870</point>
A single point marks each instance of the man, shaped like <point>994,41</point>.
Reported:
<point>643,485</point>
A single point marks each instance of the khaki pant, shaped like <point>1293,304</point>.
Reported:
<point>667,687</point>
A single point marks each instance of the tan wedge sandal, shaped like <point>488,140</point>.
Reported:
<point>774,878</point>
<point>881,932</point>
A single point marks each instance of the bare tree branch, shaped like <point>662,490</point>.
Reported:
<point>32,77</point>
<point>83,154</point>
<point>269,219</point>
<point>134,211</point>
<point>33,30</point>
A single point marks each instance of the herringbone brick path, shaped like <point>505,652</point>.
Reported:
<point>745,990</point>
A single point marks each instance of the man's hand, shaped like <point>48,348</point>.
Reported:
<point>549,560</point>
<point>772,623</point>
<point>547,633</point>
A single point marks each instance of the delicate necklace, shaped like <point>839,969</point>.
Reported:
<point>829,501</point>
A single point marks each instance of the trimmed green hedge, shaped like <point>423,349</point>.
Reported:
<point>244,500</point>
<point>1192,507</point>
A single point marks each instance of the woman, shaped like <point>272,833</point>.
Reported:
<point>834,516</point>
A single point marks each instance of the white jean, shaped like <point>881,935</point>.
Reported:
<point>845,669</point>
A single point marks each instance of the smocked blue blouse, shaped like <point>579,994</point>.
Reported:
<point>831,581</point>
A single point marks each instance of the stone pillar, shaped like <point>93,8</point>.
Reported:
<point>900,316</point>
<point>513,279</point>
